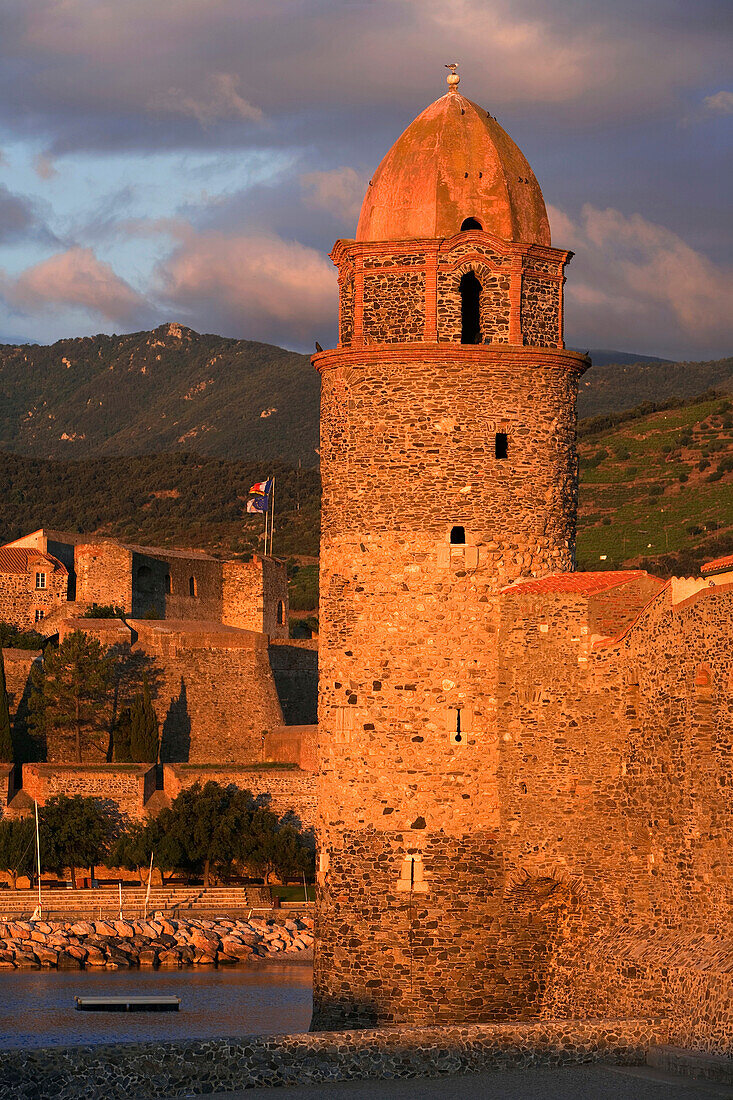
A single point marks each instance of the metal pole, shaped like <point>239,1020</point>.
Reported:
<point>147,892</point>
<point>120,886</point>
<point>38,857</point>
<point>305,887</point>
<point>272,516</point>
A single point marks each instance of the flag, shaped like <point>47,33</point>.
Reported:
<point>262,487</point>
<point>257,504</point>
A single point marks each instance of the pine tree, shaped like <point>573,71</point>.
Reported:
<point>70,693</point>
<point>6,739</point>
<point>121,737</point>
<point>144,727</point>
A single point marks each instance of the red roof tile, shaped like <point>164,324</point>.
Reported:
<point>719,565</point>
<point>581,584</point>
<point>20,559</point>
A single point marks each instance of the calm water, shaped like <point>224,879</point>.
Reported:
<point>37,1007</point>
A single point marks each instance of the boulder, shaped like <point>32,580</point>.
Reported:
<point>123,929</point>
<point>67,961</point>
<point>102,928</point>
<point>46,955</point>
<point>148,956</point>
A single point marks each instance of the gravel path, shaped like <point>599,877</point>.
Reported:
<point>572,1083</point>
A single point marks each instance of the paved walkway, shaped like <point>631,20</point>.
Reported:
<point>571,1083</point>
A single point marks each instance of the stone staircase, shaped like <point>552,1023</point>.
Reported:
<point>104,901</point>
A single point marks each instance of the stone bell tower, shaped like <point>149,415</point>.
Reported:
<point>449,469</point>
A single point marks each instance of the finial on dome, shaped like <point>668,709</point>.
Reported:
<point>453,78</point>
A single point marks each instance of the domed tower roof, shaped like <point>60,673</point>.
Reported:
<point>452,163</point>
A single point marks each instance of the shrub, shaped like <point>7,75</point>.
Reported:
<point>12,637</point>
<point>104,611</point>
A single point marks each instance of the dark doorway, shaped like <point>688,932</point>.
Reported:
<point>471,223</point>
<point>501,445</point>
<point>458,536</point>
<point>470,309</point>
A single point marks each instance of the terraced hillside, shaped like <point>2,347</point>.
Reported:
<point>657,490</point>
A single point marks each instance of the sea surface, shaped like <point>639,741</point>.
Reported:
<point>37,1007</point>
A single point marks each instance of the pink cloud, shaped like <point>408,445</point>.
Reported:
<point>75,278</point>
<point>259,286</point>
<point>632,280</point>
<point>339,190</point>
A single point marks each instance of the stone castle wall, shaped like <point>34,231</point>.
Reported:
<point>104,574</point>
<point>255,596</point>
<point>124,788</point>
<point>287,790</point>
<point>294,665</point>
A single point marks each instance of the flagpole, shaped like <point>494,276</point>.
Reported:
<point>272,517</point>
<point>38,860</point>
<point>267,511</point>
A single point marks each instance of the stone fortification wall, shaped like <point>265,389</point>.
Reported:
<point>614,774</point>
<point>125,1070</point>
<point>18,663</point>
<point>176,584</point>
<point>123,787</point>
<point>293,745</point>
<point>214,690</point>
<point>288,790</point>
<point>295,668</point>
<point>104,574</point>
<point>255,595</point>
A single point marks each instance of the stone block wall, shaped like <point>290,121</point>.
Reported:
<point>20,600</point>
<point>288,790</point>
<point>393,304</point>
<point>541,309</point>
<point>124,787</point>
<point>294,665</point>
<point>292,745</point>
<point>104,574</point>
<point>255,595</point>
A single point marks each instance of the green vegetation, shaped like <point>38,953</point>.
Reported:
<point>70,689</point>
<point>136,737</point>
<point>167,390</point>
<point>104,611</point>
<point>651,499</point>
<point>75,832</point>
<point>18,848</point>
<point>210,831</point>
<point>12,637</point>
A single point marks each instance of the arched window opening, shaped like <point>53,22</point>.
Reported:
<point>501,445</point>
<point>192,586</point>
<point>145,578</point>
<point>280,613</point>
<point>167,584</point>
<point>471,223</point>
<point>458,536</point>
<point>470,309</point>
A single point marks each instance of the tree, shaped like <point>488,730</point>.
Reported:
<point>121,738</point>
<point>135,846</point>
<point>271,847</point>
<point>6,738</point>
<point>75,832</point>
<point>18,848</point>
<point>144,737</point>
<point>70,690</point>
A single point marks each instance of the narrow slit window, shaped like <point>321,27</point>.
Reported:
<point>501,445</point>
<point>192,586</point>
<point>167,584</point>
<point>280,612</point>
<point>470,289</point>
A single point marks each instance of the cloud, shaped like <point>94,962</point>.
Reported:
<point>258,286</point>
<point>75,278</point>
<point>16,215</point>
<point>220,100</point>
<point>338,190</point>
<point>639,285</point>
<point>44,166</point>
<point>721,103</point>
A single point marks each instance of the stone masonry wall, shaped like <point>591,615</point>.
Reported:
<point>20,599</point>
<point>541,305</point>
<point>394,306</point>
<point>287,790</point>
<point>122,787</point>
<point>615,774</point>
<point>255,596</point>
<point>294,665</point>
<point>410,826</point>
<point>104,574</point>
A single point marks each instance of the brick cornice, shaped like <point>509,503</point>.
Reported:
<point>500,355</point>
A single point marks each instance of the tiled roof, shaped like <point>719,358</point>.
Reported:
<point>581,584</point>
<point>20,559</point>
<point>719,565</point>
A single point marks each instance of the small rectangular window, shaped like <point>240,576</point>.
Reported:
<point>501,445</point>
<point>40,580</point>
<point>39,614</point>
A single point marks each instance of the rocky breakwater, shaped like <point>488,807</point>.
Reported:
<point>159,942</point>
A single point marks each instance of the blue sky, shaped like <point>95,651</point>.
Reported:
<point>194,160</point>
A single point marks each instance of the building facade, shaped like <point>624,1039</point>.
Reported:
<point>449,471</point>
